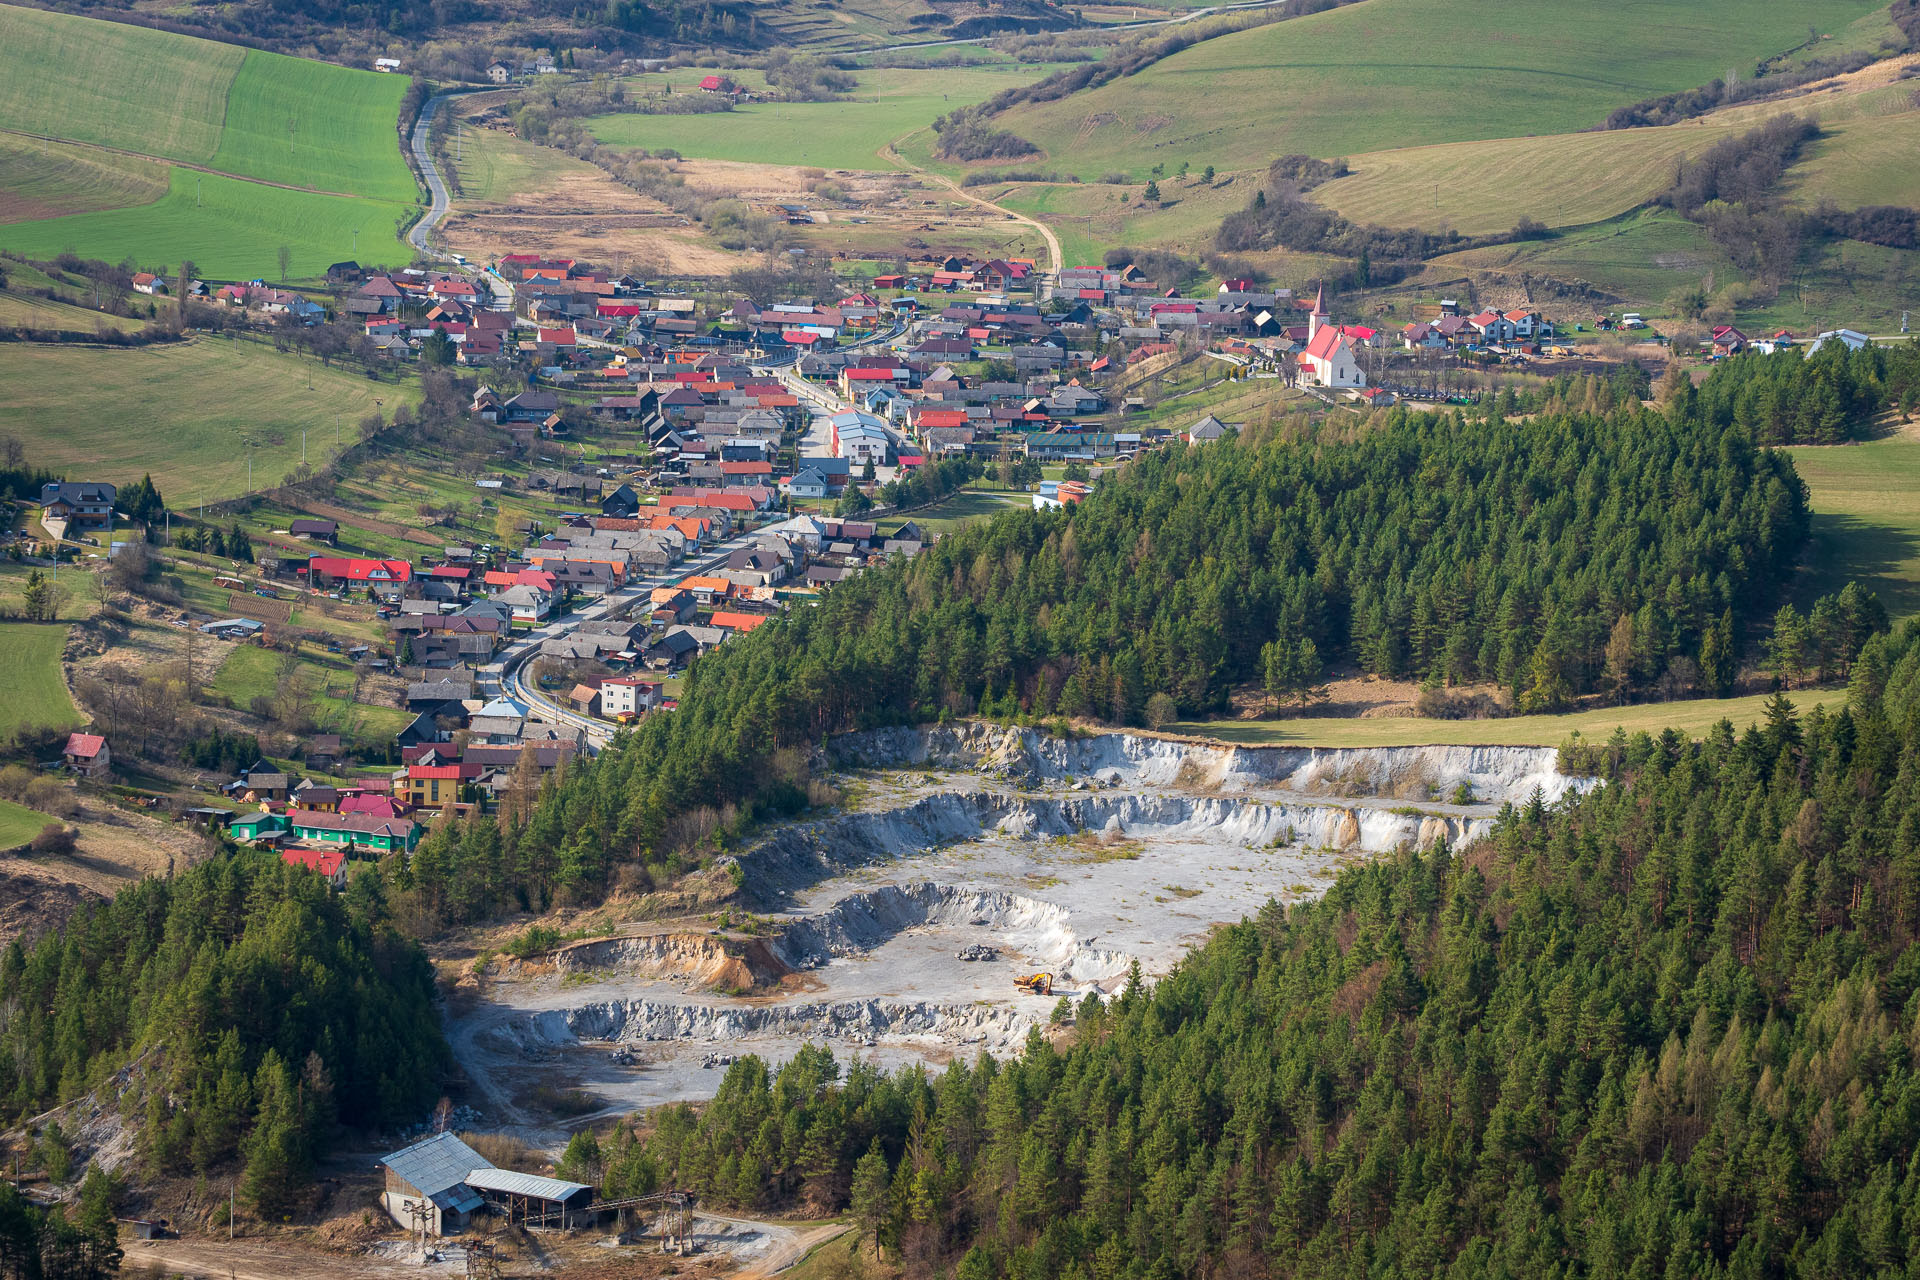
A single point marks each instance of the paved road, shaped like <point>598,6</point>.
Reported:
<point>440,204</point>
<point>506,676</point>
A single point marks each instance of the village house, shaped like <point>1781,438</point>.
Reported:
<point>348,831</point>
<point>88,755</point>
<point>78,504</point>
<point>329,864</point>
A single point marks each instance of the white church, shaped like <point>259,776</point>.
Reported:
<point>1328,359</point>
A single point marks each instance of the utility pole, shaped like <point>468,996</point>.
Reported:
<point>229,1212</point>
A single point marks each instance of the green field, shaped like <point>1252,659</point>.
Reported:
<point>1866,161</point>
<point>244,113</point>
<point>121,86</point>
<point>232,230</point>
<point>1643,256</point>
<point>1866,524</point>
<point>32,691</point>
<point>1395,73</point>
<point>1092,217</point>
<point>343,136</point>
<point>847,134</point>
<point>1692,717</point>
<point>19,824</point>
<point>185,412</point>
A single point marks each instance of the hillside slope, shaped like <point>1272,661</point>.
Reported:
<point>254,120</point>
<point>1395,73</point>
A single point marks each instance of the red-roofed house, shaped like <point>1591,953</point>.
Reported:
<point>559,338</point>
<point>88,755</point>
<point>384,576</point>
<point>329,864</point>
<point>717,84</point>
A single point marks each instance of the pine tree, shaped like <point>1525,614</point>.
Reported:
<point>276,1152</point>
<point>872,1192</point>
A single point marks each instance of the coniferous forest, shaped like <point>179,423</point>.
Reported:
<point>1444,546</point>
<point>1667,1029</point>
<point>240,1008</point>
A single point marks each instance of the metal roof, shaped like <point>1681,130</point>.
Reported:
<point>524,1184</point>
<point>435,1165</point>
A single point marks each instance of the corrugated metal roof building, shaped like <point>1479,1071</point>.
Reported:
<point>531,1199</point>
<point>433,1173</point>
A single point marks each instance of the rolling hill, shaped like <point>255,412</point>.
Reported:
<point>105,131</point>
<point>1397,73</point>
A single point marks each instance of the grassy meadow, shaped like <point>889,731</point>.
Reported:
<point>38,313</point>
<point>1395,73</point>
<point>32,691</point>
<point>1866,161</point>
<point>848,134</point>
<point>50,179</point>
<point>1866,524</point>
<point>252,672</point>
<point>174,98</point>
<point>1480,187</point>
<point>190,414</point>
<point>19,824</point>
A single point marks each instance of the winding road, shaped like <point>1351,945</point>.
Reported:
<point>892,154</point>
<point>440,204</point>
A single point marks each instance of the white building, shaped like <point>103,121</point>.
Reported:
<point>1328,359</point>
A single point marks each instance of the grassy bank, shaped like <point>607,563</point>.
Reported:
<point>1693,717</point>
<point>32,691</point>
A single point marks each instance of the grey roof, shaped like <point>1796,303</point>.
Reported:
<point>438,1168</point>
<point>524,1184</point>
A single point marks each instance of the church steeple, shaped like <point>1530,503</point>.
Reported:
<point>1318,316</point>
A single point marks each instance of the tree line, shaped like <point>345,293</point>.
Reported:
<point>1829,397</point>
<point>1663,1029</point>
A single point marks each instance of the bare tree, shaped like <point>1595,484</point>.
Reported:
<point>286,262</point>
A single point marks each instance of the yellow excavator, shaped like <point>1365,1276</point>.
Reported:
<point>1034,984</point>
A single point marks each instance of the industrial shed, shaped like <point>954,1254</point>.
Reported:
<point>531,1200</point>
<point>427,1185</point>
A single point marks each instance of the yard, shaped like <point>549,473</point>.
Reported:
<point>252,672</point>
<point>32,690</point>
<point>19,824</point>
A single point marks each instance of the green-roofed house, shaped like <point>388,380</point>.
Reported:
<point>357,832</point>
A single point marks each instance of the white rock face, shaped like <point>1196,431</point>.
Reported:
<point>1495,774</point>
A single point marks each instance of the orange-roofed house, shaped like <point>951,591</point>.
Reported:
<point>738,621</point>
<point>707,590</point>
